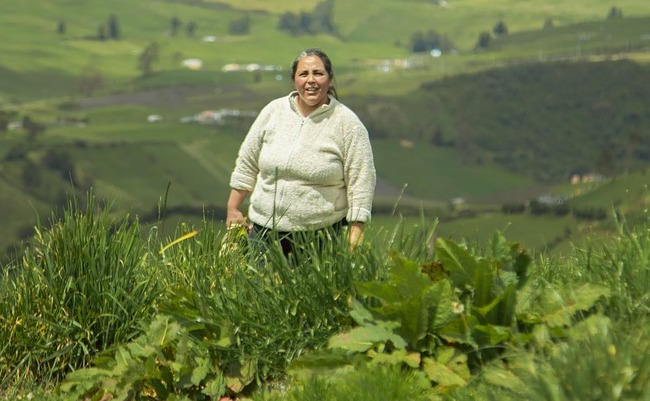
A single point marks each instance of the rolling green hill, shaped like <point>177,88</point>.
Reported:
<point>499,124</point>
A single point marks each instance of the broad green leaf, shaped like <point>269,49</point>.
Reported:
<point>408,278</point>
<point>498,375</point>
<point>412,316</point>
<point>122,359</point>
<point>483,278</point>
<point>591,326</point>
<point>240,375</point>
<point>413,359</point>
<point>562,306</point>
<point>489,335</point>
<point>138,350</point>
<point>394,358</point>
<point>409,298</point>
<point>499,245</point>
<point>441,373</point>
<point>201,370</point>
<point>359,313</point>
<point>455,360</point>
<point>321,359</point>
<point>387,293</point>
<point>361,339</point>
<point>459,330</point>
<point>501,310</point>
<point>85,375</point>
<point>510,256</point>
<point>484,310</point>
<point>215,388</point>
<point>440,297</point>
<point>457,261</point>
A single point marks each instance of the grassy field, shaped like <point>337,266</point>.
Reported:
<point>32,59</point>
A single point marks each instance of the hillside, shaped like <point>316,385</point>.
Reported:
<point>501,124</point>
<point>547,121</point>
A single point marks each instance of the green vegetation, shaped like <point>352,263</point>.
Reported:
<point>91,310</point>
<point>132,289</point>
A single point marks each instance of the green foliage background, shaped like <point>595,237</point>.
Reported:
<point>514,120</point>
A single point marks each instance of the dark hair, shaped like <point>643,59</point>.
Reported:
<point>326,62</point>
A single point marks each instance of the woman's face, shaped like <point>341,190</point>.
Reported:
<point>312,83</point>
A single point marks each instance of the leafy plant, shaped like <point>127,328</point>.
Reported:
<point>449,319</point>
<point>162,364</point>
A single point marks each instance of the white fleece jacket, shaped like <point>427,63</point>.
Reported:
<point>306,173</point>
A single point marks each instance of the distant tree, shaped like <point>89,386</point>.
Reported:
<point>33,129</point>
<point>424,42</point>
<point>5,118</point>
<point>438,138</point>
<point>91,81</point>
<point>31,175</point>
<point>305,19</point>
<point>321,20</point>
<point>290,22</point>
<point>548,23</point>
<point>59,160</point>
<point>418,44</point>
<point>241,26</point>
<point>113,27</point>
<point>500,28</point>
<point>323,17</point>
<point>60,28</point>
<point>615,12</point>
<point>190,28</point>
<point>175,25</point>
<point>513,208</point>
<point>147,58</point>
<point>101,32</point>
<point>538,208</point>
<point>484,40</point>
<point>605,162</point>
<point>16,152</point>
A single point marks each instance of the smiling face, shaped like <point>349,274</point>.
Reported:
<point>312,81</point>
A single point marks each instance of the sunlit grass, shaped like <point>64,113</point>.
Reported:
<point>80,287</point>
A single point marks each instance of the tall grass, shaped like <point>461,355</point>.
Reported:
<point>603,363</point>
<point>81,286</point>
<point>366,384</point>
<point>274,307</point>
<point>621,263</point>
<point>88,282</point>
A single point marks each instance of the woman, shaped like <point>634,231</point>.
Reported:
<point>306,161</point>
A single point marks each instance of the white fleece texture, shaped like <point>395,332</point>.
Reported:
<point>306,173</point>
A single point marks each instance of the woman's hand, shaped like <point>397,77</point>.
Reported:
<point>234,216</point>
<point>355,235</point>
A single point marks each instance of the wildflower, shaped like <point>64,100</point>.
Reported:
<point>457,307</point>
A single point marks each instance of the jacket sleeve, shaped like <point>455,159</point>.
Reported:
<point>244,175</point>
<point>360,175</point>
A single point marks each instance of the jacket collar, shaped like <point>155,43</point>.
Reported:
<point>324,108</point>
